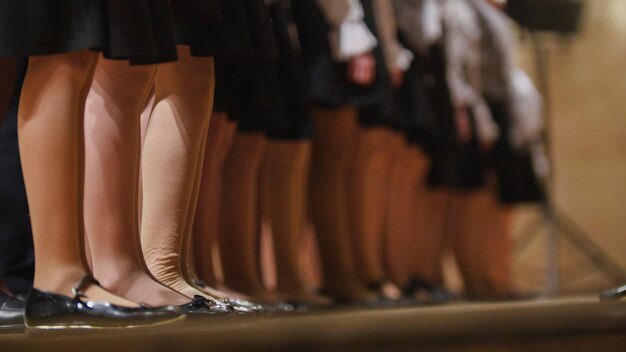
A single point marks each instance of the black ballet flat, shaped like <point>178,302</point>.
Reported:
<point>11,313</point>
<point>203,307</point>
<point>238,305</point>
<point>245,307</point>
<point>428,292</point>
<point>48,311</point>
<point>296,306</point>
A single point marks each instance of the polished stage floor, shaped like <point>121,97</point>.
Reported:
<point>564,324</point>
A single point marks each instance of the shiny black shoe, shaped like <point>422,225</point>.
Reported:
<point>245,307</point>
<point>11,313</point>
<point>428,293</point>
<point>239,306</point>
<point>203,307</point>
<point>47,311</point>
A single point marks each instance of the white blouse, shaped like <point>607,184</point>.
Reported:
<point>349,35</point>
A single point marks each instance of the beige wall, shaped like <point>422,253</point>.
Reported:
<point>589,133</point>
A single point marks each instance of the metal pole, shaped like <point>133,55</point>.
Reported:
<point>552,260</point>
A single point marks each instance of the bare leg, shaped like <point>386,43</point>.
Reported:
<point>334,132</point>
<point>367,177</point>
<point>51,141</point>
<point>173,141</point>
<point>112,147</point>
<point>8,66</point>
<point>240,219</point>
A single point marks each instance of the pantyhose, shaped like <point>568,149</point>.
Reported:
<point>172,147</point>
<point>481,242</point>
<point>334,132</point>
<point>189,253</point>
<point>409,171</point>
<point>285,176</point>
<point>367,197</point>
<point>112,148</point>
<point>240,220</point>
<point>206,224</point>
<point>51,146</point>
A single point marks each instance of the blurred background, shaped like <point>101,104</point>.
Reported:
<point>587,76</point>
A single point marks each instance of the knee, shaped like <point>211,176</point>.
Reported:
<point>75,66</point>
<point>126,85</point>
<point>188,78</point>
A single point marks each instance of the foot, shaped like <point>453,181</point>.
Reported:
<point>11,313</point>
<point>350,293</point>
<point>48,311</point>
<point>137,286</point>
<point>219,292</point>
<point>180,285</point>
<point>267,297</point>
<point>64,283</point>
<point>302,296</point>
<point>389,291</point>
<point>96,293</point>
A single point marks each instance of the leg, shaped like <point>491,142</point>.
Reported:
<point>402,250</point>
<point>240,218</point>
<point>112,147</point>
<point>50,133</point>
<point>431,224</point>
<point>172,145</point>
<point>367,202</point>
<point>144,120</point>
<point>188,258</point>
<point>334,132</point>
<point>208,212</point>
<point>395,227</point>
<point>481,243</point>
<point>285,179</point>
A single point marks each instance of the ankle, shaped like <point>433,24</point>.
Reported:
<point>120,279</point>
<point>61,281</point>
<point>245,287</point>
<point>291,288</point>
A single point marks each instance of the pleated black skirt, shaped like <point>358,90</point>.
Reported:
<point>243,31</point>
<point>463,165</point>
<point>327,81</point>
<point>293,120</point>
<point>126,30</point>
<point>455,164</point>
<point>517,179</point>
<point>415,105</point>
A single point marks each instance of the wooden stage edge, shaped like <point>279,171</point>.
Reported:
<point>563,324</point>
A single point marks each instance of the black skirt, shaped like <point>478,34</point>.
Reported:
<point>517,179</point>
<point>455,165</point>
<point>327,81</point>
<point>415,105</point>
<point>293,120</point>
<point>377,102</point>
<point>128,30</point>
<point>243,32</point>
